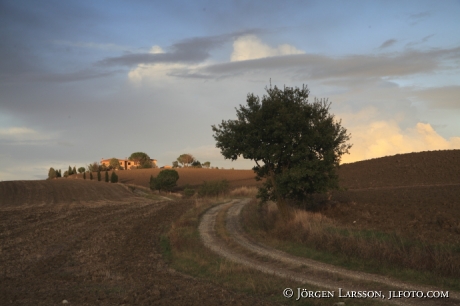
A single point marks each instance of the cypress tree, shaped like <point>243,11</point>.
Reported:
<point>114,178</point>
<point>84,175</point>
<point>106,176</point>
<point>99,175</point>
<point>74,171</point>
<point>91,175</point>
<point>69,172</point>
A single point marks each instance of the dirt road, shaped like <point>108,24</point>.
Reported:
<point>301,269</point>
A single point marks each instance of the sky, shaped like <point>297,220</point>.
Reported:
<point>85,80</point>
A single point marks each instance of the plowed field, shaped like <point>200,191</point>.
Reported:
<point>92,243</point>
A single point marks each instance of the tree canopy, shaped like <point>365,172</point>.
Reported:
<point>186,159</point>
<point>114,163</point>
<point>296,144</point>
<point>142,159</point>
<point>165,180</point>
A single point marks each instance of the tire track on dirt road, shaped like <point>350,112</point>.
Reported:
<point>289,267</point>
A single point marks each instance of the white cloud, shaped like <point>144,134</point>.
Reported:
<point>21,135</point>
<point>250,47</point>
<point>384,138</point>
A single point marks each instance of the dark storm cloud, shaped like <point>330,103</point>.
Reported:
<point>193,50</point>
<point>388,43</point>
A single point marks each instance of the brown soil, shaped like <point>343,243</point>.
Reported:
<point>416,195</point>
<point>92,243</point>
<point>187,176</point>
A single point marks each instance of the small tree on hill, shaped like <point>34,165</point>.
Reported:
<point>142,160</point>
<point>296,145</point>
<point>81,169</point>
<point>166,180</point>
<point>58,173</point>
<point>91,175</point>
<point>197,164</point>
<point>114,163</point>
<point>175,164</point>
<point>186,159</point>
<point>93,167</point>
<point>69,171</point>
<point>114,177</point>
<point>206,164</point>
<point>106,176</point>
<point>52,174</point>
<point>74,171</point>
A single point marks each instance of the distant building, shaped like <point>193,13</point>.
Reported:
<point>126,163</point>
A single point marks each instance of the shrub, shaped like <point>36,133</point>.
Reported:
<point>106,176</point>
<point>189,192</point>
<point>114,178</point>
<point>166,180</point>
<point>213,188</point>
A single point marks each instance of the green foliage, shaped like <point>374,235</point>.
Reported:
<point>52,173</point>
<point>58,173</point>
<point>197,164</point>
<point>99,175</point>
<point>166,180</point>
<point>206,164</point>
<point>189,192</point>
<point>90,175</point>
<point>66,174</point>
<point>175,164</point>
<point>296,145</point>
<point>186,159</point>
<point>106,176</point>
<point>114,163</point>
<point>74,171</point>
<point>142,159</point>
<point>94,167</point>
<point>69,172</point>
<point>84,175</point>
<point>213,188</point>
<point>81,169</point>
<point>114,177</point>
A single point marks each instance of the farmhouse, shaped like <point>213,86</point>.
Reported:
<point>127,164</point>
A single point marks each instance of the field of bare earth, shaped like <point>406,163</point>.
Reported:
<point>415,194</point>
<point>95,243</point>
<point>92,243</point>
<point>187,176</point>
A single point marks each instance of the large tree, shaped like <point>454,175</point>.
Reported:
<point>142,160</point>
<point>296,144</point>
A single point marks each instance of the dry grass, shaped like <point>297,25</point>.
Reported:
<point>314,230</point>
<point>244,192</point>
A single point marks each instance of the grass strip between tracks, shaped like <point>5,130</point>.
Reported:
<point>290,238</point>
<point>183,248</point>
